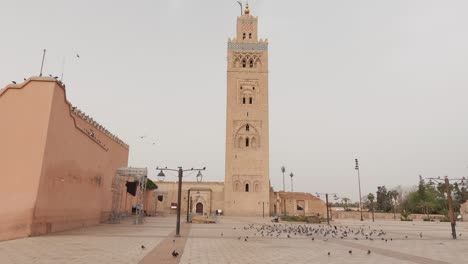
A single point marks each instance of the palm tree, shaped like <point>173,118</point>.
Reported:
<point>291,174</point>
<point>394,195</point>
<point>345,201</point>
<point>283,170</point>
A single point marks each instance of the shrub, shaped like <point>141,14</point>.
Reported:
<point>294,218</point>
<point>445,219</point>
<point>405,216</point>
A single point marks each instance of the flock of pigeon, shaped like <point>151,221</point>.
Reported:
<point>312,232</point>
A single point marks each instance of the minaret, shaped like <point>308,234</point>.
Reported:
<point>247,182</point>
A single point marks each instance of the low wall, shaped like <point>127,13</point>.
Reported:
<point>379,216</point>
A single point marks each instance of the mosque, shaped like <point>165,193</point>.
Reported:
<point>61,169</point>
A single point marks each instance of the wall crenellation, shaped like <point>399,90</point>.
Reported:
<point>80,114</point>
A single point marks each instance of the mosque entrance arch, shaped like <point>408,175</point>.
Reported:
<point>199,208</point>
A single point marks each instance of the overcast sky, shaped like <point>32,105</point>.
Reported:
<point>382,81</point>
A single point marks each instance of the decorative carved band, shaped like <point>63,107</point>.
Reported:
<point>249,19</point>
<point>248,46</point>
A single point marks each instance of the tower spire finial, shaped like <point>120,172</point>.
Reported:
<point>247,10</point>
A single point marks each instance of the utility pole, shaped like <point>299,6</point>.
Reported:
<point>451,212</point>
<point>328,212</point>
<point>359,182</point>
<point>42,64</point>
<point>327,205</point>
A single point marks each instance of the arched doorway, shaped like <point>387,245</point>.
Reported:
<point>199,208</point>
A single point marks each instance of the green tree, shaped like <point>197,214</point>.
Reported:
<point>384,200</point>
<point>371,198</point>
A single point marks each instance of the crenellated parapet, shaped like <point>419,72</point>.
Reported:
<point>83,116</point>
<point>74,111</point>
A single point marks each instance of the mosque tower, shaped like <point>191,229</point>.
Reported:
<point>247,182</point>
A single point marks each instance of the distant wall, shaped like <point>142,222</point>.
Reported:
<point>287,203</point>
<point>379,216</point>
<point>209,206</point>
<point>149,203</point>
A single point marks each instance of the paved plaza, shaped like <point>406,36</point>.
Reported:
<point>237,240</point>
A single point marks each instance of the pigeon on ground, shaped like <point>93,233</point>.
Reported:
<point>143,247</point>
<point>368,252</point>
<point>350,252</point>
<point>328,253</point>
<point>175,253</point>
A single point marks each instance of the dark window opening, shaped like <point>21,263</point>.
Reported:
<point>247,142</point>
<point>253,88</point>
<point>241,87</point>
<point>243,35</point>
<point>247,128</point>
<point>250,35</point>
<point>244,63</point>
<point>250,100</point>
<point>243,100</point>
<point>246,187</point>
<point>251,63</point>
<point>160,198</point>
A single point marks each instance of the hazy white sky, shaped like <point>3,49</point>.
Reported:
<point>384,81</point>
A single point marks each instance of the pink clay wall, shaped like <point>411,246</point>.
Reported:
<point>54,175</point>
<point>75,185</point>
<point>24,115</point>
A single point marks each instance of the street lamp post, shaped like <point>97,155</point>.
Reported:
<point>359,182</point>
<point>291,175</point>
<point>179,190</point>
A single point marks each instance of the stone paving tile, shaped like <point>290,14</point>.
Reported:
<point>204,244</point>
<point>97,244</point>
<point>162,254</point>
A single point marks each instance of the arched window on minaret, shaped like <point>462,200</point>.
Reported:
<point>243,100</point>
<point>250,100</point>
<point>246,187</point>
<point>244,63</point>
<point>247,142</point>
<point>237,187</point>
<point>251,63</point>
<point>247,127</point>
<point>243,35</point>
<point>250,35</point>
